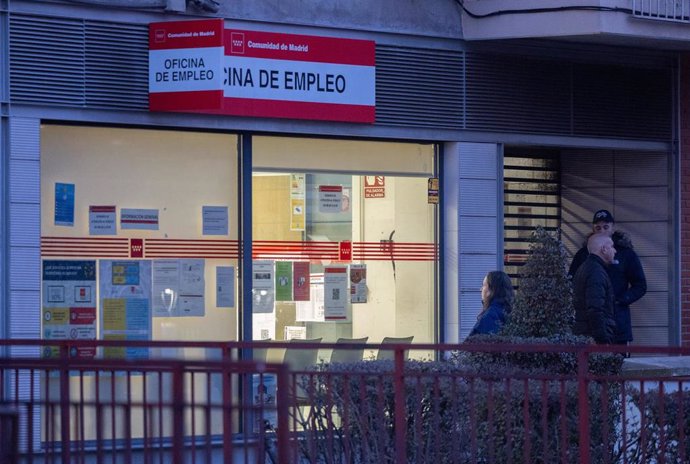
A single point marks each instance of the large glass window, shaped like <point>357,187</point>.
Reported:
<point>344,240</point>
<point>139,242</point>
<point>152,215</point>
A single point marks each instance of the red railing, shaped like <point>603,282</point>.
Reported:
<point>202,403</point>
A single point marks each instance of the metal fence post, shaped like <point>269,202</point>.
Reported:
<point>400,416</point>
<point>283,441</point>
<point>64,404</point>
<point>178,414</point>
<point>583,405</point>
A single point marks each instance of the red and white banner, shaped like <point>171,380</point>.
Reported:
<point>199,66</point>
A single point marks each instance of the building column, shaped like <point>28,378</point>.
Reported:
<point>684,136</point>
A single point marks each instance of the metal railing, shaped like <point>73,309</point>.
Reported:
<point>662,10</point>
<point>476,403</point>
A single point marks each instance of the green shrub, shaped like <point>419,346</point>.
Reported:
<point>452,414</point>
<point>544,298</point>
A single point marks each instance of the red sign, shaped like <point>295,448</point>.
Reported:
<point>345,250</point>
<point>136,248</point>
<point>200,66</point>
<point>374,186</point>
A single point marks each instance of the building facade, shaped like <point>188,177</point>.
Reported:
<point>358,182</point>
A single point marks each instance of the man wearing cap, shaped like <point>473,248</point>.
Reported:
<point>625,272</point>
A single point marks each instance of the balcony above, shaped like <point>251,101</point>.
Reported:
<point>657,24</point>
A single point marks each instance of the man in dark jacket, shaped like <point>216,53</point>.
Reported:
<point>593,294</point>
<point>626,273</point>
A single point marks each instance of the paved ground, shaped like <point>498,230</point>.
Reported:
<point>676,366</point>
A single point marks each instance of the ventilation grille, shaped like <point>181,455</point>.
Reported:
<point>67,62</point>
<point>46,61</point>
<point>104,65</point>
<point>613,101</point>
<point>419,88</point>
<point>517,94</point>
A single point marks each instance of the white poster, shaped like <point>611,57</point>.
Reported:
<point>330,198</point>
<point>263,291</point>
<point>178,287</point>
<point>335,293</point>
<point>263,326</point>
<point>312,309</point>
<point>294,332</point>
<point>215,220</point>
<point>102,220</point>
<point>146,219</point>
<point>225,287</point>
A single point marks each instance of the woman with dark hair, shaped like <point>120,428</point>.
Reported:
<point>497,301</point>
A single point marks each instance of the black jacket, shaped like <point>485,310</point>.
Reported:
<point>628,279</point>
<point>593,298</point>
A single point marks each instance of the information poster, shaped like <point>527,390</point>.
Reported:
<point>335,293</point>
<point>294,332</point>
<point>264,326</point>
<point>215,220</point>
<point>178,287</point>
<point>225,286</point>
<point>300,281</point>
<point>297,195</point>
<point>358,283</point>
<point>102,220</point>
<point>330,198</point>
<point>312,310</point>
<point>283,281</point>
<point>69,304</point>
<point>144,219</point>
<point>64,204</point>
<point>263,291</point>
<point>125,309</point>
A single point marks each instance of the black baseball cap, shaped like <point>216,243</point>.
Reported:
<point>602,215</point>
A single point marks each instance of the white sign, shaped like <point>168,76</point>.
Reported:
<point>215,220</point>
<point>102,220</point>
<point>146,219</point>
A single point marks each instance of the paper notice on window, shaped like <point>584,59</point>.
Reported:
<point>330,198</point>
<point>283,281</point>
<point>69,304</point>
<point>64,204</point>
<point>294,332</point>
<point>312,310</point>
<point>178,287</point>
<point>225,287</point>
<point>102,220</point>
<point>358,283</point>
<point>125,309</point>
<point>300,281</point>
<point>215,220</point>
<point>263,326</point>
<point>144,219</point>
<point>263,292</point>
<point>297,205</point>
<point>335,293</point>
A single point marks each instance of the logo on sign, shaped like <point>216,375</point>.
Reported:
<point>237,43</point>
<point>345,250</point>
<point>159,35</point>
<point>374,186</point>
<point>136,248</point>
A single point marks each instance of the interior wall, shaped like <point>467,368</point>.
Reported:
<point>634,186</point>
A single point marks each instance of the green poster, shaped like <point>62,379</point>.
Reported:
<point>283,280</point>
